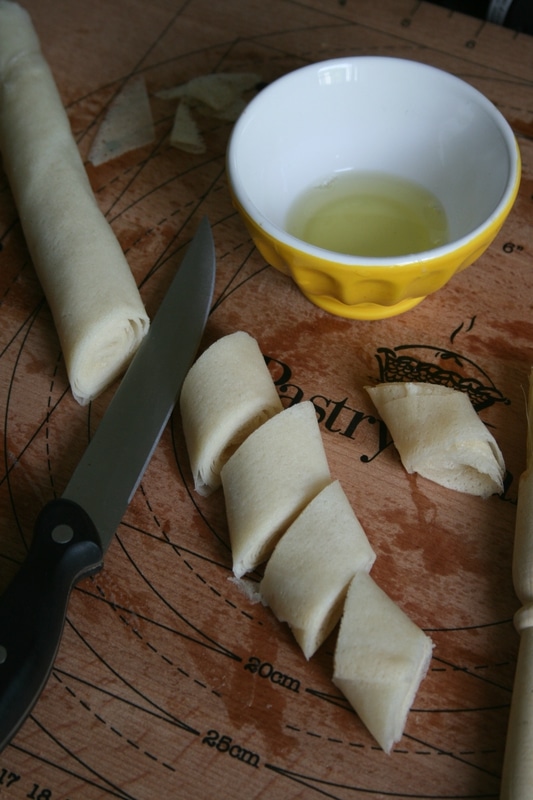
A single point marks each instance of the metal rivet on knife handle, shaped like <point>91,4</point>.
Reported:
<point>62,534</point>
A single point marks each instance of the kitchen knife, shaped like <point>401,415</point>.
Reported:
<point>73,532</point>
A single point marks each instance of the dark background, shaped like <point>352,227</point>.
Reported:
<point>519,17</point>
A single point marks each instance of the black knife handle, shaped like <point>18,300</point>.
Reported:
<point>65,548</point>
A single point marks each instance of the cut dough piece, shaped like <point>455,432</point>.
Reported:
<point>307,575</point>
<point>127,125</point>
<point>439,435</point>
<point>269,479</point>
<point>227,394</point>
<point>98,312</point>
<point>380,659</point>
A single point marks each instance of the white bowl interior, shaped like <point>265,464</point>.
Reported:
<point>372,113</point>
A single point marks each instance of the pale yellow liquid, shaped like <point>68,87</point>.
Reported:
<point>369,214</point>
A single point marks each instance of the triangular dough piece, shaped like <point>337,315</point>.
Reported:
<point>307,575</point>
<point>226,395</point>
<point>270,478</point>
<point>185,134</point>
<point>127,125</point>
<point>439,435</point>
<point>381,657</point>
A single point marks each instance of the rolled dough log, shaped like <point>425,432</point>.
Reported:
<point>227,394</point>
<point>308,574</point>
<point>439,435</point>
<point>269,479</point>
<point>98,312</point>
<point>380,659</point>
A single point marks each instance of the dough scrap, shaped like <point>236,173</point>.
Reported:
<point>217,95</point>
<point>307,575</point>
<point>380,659</point>
<point>269,479</point>
<point>97,309</point>
<point>227,394</point>
<point>439,435</point>
<point>127,125</point>
<point>213,93</point>
<point>185,134</point>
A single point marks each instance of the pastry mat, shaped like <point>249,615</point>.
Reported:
<point>169,683</point>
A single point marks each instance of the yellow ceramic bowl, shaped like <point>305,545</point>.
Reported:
<point>372,114</point>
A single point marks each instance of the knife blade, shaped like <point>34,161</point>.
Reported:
<point>72,533</point>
